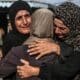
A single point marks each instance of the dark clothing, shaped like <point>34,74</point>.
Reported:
<point>62,71</point>
<point>13,39</point>
<point>69,13</point>
<point>9,63</point>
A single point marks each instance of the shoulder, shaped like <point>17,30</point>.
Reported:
<point>66,49</point>
<point>19,50</point>
<point>10,36</point>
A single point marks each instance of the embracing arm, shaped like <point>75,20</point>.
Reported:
<point>42,48</point>
<point>7,67</point>
<point>60,71</point>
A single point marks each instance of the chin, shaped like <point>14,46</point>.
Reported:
<point>61,37</point>
<point>26,32</point>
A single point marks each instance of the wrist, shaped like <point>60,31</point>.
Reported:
<point>56,49</point>
<point>36,71</point>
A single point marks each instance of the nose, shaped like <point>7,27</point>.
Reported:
<point>24,20</point>
<point>56,30</point>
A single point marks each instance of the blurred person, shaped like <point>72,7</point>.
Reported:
<point>66,22</point>
<point>3,31</point>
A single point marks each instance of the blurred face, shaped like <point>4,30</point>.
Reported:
<point>23,21</point>
<point>61,30</point>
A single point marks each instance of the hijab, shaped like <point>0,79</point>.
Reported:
<point>69,13</point>
<point>15,7</point>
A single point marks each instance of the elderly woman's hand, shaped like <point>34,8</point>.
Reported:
<point>42,48</point>
<point>26,70</point>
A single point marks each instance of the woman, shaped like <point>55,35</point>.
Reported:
<point>67,17</point>
<point>20,18</point>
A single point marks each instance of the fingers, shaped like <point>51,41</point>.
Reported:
<point>24,62</point>
<point>20,72</point>
<point>36,46</point>
<point>34,53</point>
<point>19,69</point>
<point>39,56</point>
<point>37,51</point>
<point>38,41</point>
<point>43,53</point>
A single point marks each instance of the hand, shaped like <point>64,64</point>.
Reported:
<point>42,48</point>
<point>26,70</point>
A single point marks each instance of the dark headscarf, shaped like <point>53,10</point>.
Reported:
<point>42,25</point>
<point>15,7</point>
<point>15,38</point>
<point>69,13</point>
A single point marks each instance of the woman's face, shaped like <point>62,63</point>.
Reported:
<point>23,21</point>
<point>61,30</point>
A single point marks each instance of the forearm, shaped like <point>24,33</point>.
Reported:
<point>6,71</point>
<point>7,65</point>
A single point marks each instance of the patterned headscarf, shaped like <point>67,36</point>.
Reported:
<point>42,24</point>
<point>69,13</point>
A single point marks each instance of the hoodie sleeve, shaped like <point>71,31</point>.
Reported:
<point>8,64</point>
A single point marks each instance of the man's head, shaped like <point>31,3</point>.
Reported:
<point>20,17</point>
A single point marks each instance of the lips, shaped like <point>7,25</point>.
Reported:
<point>24,26</point>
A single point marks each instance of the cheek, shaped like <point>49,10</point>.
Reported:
<point>66,31</point>
<point>17,23</point>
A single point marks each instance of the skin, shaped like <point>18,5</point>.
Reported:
<point>61,30</point>
<point>43,48</point>
<point>23,21</point>
<point>26,70</point>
